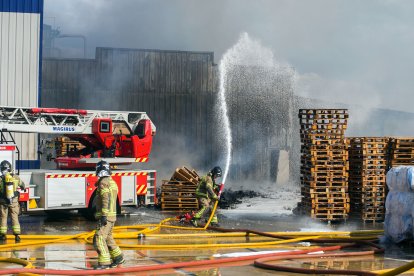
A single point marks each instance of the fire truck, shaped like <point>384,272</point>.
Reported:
<point>118,137</point>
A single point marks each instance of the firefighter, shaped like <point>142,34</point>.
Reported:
<point>206,195</point>
<point>9,200</point>
<point>107,192</point>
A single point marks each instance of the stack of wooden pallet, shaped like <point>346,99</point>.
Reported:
<point>401,151</point>
<point>368,158</point>
<point>179,192</point>
<point>324,164</point>
<point>63,146</point>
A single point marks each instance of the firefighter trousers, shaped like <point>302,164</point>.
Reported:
<point>206,206</point>
<point>12,209</point>
<point>104,244</point>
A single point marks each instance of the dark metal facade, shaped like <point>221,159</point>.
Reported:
<point>175,88</point>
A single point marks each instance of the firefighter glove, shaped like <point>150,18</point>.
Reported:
<point>103,220</point>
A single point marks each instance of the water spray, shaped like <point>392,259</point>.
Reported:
<point>225,115</point>
<point>249,70</point>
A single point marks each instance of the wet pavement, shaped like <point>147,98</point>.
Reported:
<point>76,254</point>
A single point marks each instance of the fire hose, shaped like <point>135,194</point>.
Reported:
<point>167,266</point>
<point>260,261</point>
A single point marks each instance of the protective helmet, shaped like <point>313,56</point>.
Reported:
<point>216,172</point>
<point>103,169</point>
<point>5,167</point>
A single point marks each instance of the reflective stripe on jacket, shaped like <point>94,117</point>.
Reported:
<point>205,187</point>
<point>107,193</point>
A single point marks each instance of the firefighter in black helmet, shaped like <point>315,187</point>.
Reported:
<point>206,195</point>
<point>109,253</point>
<point>9,199</point>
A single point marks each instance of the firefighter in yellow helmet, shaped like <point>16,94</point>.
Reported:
<point>9,200</point>
<point>206,195</point>
<point>109,254</point>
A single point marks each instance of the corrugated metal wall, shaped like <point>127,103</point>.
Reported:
<point>175,88</point>
<point>20,55</point>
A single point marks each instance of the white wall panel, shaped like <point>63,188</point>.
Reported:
<point>19,69</point>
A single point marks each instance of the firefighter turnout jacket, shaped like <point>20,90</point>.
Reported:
<point>205,188</point>
<point>8,188</point>
<point>107,193</point>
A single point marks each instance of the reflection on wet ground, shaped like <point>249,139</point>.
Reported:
<point>76,254</point>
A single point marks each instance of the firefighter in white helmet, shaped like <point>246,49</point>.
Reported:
<point>109,254</point>
<point>9,200</point>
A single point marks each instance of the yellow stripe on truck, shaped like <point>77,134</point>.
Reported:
<point>87,175</point>
<point>142,189</point>
<point>145,159</point>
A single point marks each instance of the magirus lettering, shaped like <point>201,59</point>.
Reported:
<point>62,128</point>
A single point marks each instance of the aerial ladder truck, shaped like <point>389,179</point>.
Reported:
<point>118,137</point>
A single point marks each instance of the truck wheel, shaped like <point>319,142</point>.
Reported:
<point>23,208</point>
<point>89,213</point>
<point>118,207</point>
<point>140,200</point>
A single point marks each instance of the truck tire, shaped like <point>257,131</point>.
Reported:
<point>23,208</point>
<point>118,207</point>
<point>89,213</point>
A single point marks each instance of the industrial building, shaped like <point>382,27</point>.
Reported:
<point>133,133</point>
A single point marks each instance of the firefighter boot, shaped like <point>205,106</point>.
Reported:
<point>102,266</point>
<point>194,222</point>
<point>17,238</point>
<point>117,261</point>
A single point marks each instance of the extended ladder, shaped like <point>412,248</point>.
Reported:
<point>56,120</point>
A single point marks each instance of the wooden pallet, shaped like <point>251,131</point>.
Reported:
<point>317,147</point>
<point>323,111</point>
<point>323,132</point>
<point>310,141</point>
<point>373,217</point>
<point>321,201</point>
<point>325,163</point>
<point>177,200</point>
<point>395,163</point>
<point>325,190</point>
<point>307,194</point>
<point>327,154</point>
<point>63,146</point>
<point>179,206</point>
<point>353,177</point>
<point>323,178</point>
<point>167,193</point>
<point>185,174</point>
<point>323,127</point>
<point>330,217</point>
<point>176,183</point>
<point>375,140</point>
<point>333,122</point>
<point>367,168</point>
<point>324,170</point>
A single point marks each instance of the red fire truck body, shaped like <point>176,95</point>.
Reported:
<point>119,137</point>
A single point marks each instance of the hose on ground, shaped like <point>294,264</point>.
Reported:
<point>164,266</point>
<point>262,263</point>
